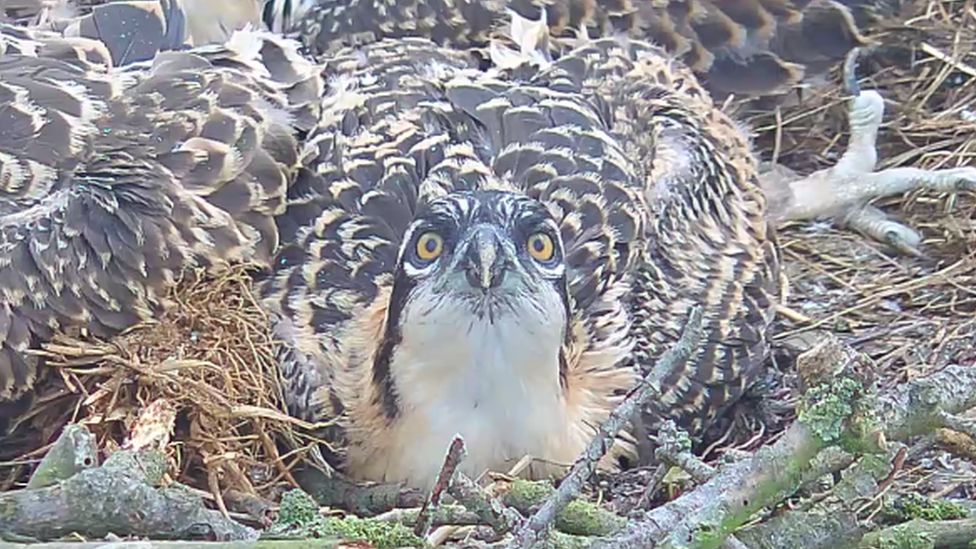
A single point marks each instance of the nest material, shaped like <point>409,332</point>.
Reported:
<point>212,357</point>
<point>911,316</point>
<point>908,314</point>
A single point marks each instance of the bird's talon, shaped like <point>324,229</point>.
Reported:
<point>851,85</point>
<point>895,240</point>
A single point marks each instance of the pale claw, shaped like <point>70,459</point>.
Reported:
<point>874,223</point>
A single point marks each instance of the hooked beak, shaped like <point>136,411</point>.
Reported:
<point>484,264</point>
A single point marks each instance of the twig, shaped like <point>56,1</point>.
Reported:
<point>455,454</point>
<point>674,448</point>
<point>492,512</point>
<point>711,512</point>
<point>533,529</point>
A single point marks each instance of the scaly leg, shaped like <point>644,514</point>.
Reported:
<point>841,192</point>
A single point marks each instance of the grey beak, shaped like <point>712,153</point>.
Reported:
<point>484,262</point>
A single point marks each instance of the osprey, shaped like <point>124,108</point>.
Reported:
<point>502,254</point>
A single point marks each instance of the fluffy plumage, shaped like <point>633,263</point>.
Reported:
<point>750,47</point>
<point>596,138</point>
<point>113,180</point>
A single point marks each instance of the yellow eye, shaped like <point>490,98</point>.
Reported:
<point>541,247</point>
<point>429,246</point>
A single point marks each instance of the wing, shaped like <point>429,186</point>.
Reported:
<point>709,240</point>
<point>405,121</point>
<point>114,180</point>
<point>751,48</point>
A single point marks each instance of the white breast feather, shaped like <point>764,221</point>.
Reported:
<point>496,384</point>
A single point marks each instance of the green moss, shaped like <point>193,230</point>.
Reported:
<point>380,534</point>
<point>580,517</point>
<point>299,518</point>
<point>297,509</point>
<point>587,519</point>
<point>826,407</point>
<point>524,494</point>
<point>915,506</point>
<point>904,536</point>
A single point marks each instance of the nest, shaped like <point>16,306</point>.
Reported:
<point>206,367</point>
<point>912,316</point>
<point>211,357</point>
<point>906,313</point>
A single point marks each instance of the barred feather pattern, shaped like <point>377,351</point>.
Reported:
<point>709,241</point>
<point>751,48</point>
<point>654,189</point>
<point>405,122</point>
<point>114,180</point>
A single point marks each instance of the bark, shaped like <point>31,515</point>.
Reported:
<point>706,516</point>
<point>120,497</point>
<point>74,451</point>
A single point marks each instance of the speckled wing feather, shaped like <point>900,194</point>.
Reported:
<point>751,48</point>
<point>709,240</point>
<point>403,122</point>
<point>114,180</point>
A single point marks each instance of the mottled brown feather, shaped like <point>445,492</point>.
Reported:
<point>754,48</point>
<point>654,189</point>
<point>113,180</point>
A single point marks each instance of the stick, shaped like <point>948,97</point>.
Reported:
<point>119,497</point>
<point>492,512</point>
<point>533,529</point>
<point>455,454</point>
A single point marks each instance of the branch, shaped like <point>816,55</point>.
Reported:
<point>361,499</point>
<point>455,454</point>
<point>119,497</point>
<point>445,515</point>
<point>919,406</point>
<point>534,529</point>
<point>706,516</point>
<point>924,533</point>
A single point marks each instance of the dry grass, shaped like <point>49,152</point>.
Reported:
<point>211,355</point>
<point>908,314</point>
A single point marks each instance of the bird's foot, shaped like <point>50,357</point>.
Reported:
<point>842,192</point>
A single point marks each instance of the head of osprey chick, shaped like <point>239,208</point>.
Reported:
<point>483,256</point>
<point>475,331</point>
